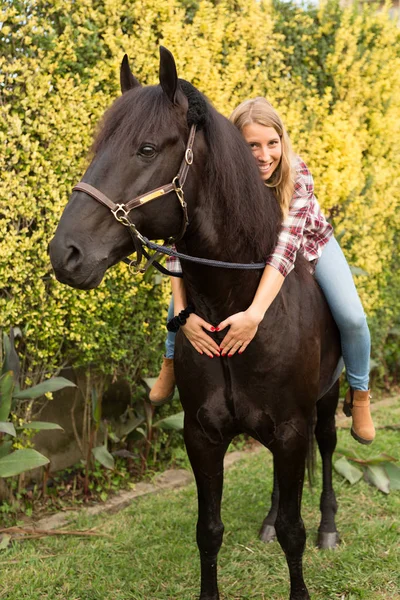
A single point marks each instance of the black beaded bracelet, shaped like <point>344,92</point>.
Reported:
<point>174,324</point>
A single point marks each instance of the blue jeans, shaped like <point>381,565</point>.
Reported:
<point>170,341</point>
<point>334,276</point>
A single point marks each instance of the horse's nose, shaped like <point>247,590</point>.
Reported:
<point>66,256</point>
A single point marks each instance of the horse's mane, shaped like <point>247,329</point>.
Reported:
<point>250,216</point>
<point>247,212</point>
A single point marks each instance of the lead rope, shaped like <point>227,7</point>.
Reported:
<point>202,261</point>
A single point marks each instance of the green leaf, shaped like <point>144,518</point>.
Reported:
<point>104,457</point>
<point>126,428</point>
<point>173,422</point>
<point>6,393</point>
<point>5,447</point>
<point>349,453</point>
<point>96,407</point>
<point>40,426</point>
<point>50,385</point>
<point>7,427</point>
<point>21,460</point>
<point>393,472</point>
<point>376,475</point>
<point>137,434</point>
<point>11,360</point>
<point>4,541</point>
<point>347,470</point>
<point>113,437</point>
<point>148,411</point>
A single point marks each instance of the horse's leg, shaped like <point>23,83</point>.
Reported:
<point>267,532</point>
<point>325,432</point>
<point>207,460</point>
<point>290,451</point>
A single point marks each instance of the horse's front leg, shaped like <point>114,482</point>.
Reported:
<point>290,451</point>
<point>207,460</point>
<point>267,531</point>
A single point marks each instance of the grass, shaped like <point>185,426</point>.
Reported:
<point>152,555</point>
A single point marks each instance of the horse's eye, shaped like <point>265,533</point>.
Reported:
<point>147,151</point>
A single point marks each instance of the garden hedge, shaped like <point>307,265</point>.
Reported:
<point>334,75</point>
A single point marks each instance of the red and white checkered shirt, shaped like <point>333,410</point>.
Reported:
<point>304,230</point>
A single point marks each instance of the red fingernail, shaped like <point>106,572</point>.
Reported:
<point>213,329</point>
<point>230,355</point>
<point>223,354</point>
<point>240,352</point>
<point>216,328</point>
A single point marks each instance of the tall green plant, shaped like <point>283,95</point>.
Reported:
<point>16,461</point>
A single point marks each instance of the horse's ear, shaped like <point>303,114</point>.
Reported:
<point>128,81</point>
<point>168,74</point>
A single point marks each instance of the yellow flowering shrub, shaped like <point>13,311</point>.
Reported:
<point>333,73</point>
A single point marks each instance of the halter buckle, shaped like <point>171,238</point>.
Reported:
<point>189,156</point>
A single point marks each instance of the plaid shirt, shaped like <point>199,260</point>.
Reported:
<point>304,230</point>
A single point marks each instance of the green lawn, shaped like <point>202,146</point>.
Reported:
<point>152,555</point>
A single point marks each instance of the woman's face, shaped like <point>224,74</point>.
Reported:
<point>266,146</point>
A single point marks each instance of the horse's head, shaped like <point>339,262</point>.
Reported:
<point>140,147</point>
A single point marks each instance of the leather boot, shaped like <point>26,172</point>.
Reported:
<point>164,387</point>
<point>356,405</point>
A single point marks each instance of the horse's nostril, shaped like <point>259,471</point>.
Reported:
<point>73,257</point>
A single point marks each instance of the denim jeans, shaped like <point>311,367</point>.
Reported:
<point>170,341</point>
<point>334,276</point>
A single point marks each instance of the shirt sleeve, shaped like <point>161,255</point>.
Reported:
<point>173,263</point>
<point>291,234</point>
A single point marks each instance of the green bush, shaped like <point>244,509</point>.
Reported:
<point>334,74</point>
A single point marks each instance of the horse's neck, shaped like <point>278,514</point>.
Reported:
<point>216,292</point>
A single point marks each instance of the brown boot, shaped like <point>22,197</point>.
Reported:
<point>164,387</point>
<point>356,405</point>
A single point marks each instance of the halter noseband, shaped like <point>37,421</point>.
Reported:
<point>121,211</point>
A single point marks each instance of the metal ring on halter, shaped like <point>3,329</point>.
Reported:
<point>134,268</point>
<point>124,218</point>
<point>189,156</point>
<point>177,184</point>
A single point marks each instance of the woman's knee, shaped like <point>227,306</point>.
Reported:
<point>353,321</point>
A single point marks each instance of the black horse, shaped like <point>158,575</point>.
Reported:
<point>288,373</point>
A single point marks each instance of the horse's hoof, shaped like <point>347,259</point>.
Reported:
<point>267,534</point>
<point>328,541</point>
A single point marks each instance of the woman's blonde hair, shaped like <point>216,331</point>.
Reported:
<point>259,110</point>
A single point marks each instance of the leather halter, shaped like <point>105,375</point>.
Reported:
<point>121,211</point>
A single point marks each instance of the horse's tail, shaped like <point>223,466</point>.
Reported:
<point>311,453</point>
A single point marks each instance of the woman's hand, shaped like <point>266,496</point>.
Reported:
<point>243,328</point>
<point>200,340</point>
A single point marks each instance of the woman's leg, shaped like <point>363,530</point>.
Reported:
<point>163,389</point>
<point>334,276</point>
<point>170,339</point>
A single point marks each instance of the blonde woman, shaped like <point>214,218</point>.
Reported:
<point>305,230</point>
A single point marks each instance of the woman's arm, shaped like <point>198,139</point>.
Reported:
<point>244,325</point>
<point>195,328</point>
